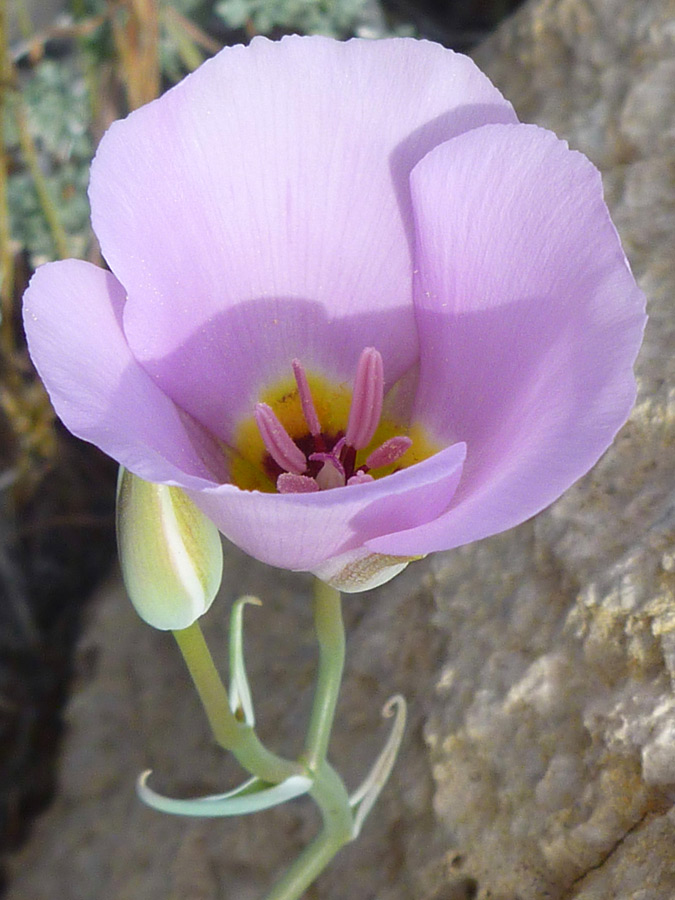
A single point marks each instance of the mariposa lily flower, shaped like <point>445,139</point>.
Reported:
<point>354,309</point>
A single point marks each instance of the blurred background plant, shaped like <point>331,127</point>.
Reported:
<point>67,69</point>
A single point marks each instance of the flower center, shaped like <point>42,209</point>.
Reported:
<point>309,434</point>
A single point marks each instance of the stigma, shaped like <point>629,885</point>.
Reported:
<point>323,460</point>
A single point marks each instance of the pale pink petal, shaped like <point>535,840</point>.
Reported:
<point>300,531</point>
<point>72,314</point>
<point>259,211</point>
<point>529,323</point>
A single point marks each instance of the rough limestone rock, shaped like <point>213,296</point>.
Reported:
<point>539,665</point>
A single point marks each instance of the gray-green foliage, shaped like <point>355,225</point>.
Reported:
<point>58,106</point>
<point>336,18</point>
<point>58,113</point>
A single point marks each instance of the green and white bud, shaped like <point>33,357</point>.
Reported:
<point>170,553</point>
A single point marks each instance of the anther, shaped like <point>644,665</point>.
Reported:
<point>389,452</point>
<point>278,443</point>
<point>306,400</point>
<point>288,483</point>
<point>360,477</point>
<point>367,399</point>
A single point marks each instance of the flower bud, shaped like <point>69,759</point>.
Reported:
<point>170,553</point>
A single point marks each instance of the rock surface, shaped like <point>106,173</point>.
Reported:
<point>539,665</point>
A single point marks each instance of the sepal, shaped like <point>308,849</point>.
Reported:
<point>361,570</point>
<point>252,796</point>
<point>364,797</point>
<point>241,703</point>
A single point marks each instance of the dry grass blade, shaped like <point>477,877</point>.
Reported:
<point>135,26</point>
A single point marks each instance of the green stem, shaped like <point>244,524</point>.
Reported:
<point>331,796</point>
<point>237,737</point>
<point>331,637</point>
<point>328,790</point>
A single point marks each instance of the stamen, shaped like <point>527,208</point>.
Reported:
<point>306,399</point>
<point>329,459</point>
<point>360,477</point>
<point>367,399</point>
<point>388,452</point>
<point>278,442</point>
<point>287,483</point>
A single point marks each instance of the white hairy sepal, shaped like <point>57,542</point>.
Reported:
<point>361,570</point>
<point>170,553</point>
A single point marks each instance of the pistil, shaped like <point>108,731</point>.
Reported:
<point>331,474</point>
